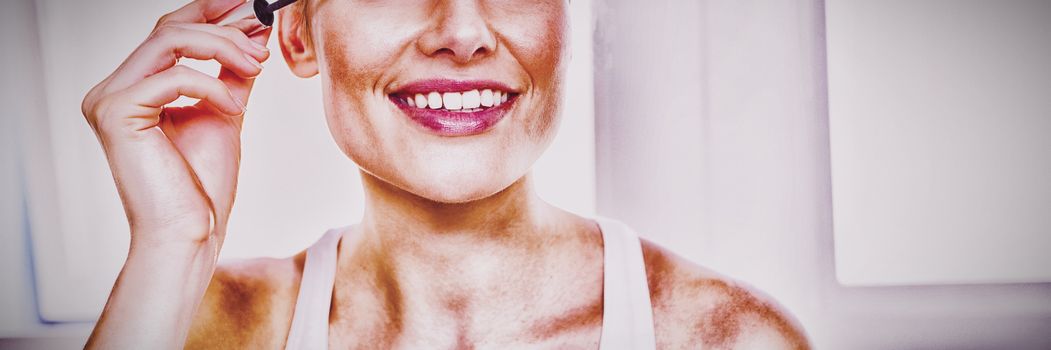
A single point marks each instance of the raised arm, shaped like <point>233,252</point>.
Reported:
<point>175,168</point>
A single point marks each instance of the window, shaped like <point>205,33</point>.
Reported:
<point>940,141</point>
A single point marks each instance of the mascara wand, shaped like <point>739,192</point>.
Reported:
<point>259,10</point>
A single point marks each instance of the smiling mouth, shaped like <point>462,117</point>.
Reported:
<point>455,108</point>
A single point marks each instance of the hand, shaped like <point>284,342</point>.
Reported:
<point>176,167</point>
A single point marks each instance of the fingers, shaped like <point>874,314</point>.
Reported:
<point>169,43</point>
<point>163,88</point>
<point>138,107</point>
<point>199,11</point>
<point>149,77</point>
<point>238,37</point>
<point>240,87</point>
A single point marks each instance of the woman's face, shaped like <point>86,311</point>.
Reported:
<point>451,100</point>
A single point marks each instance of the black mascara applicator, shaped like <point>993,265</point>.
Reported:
<point>261,11</point>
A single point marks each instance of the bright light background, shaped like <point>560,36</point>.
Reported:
<point>712,138</point>
<point>941,141</point>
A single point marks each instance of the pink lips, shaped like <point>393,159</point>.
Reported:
<point>453,123</point>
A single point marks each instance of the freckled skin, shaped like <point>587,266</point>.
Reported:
<point>693,305</point>
<point>455,250</point>
<point>249,305</point>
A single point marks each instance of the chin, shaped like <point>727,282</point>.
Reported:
<point>454,195</point>
<point>460,186</point>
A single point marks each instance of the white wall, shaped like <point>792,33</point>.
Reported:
<point>712,135</point>
<point>940,132</point>
<point>21,94</point>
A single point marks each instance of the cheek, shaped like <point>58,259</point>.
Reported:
<point>537,35</point>
<point>345,94</point>
<point>351,59</point>
<point>354,57</point>
<point>539,41</point>
<point>363,42</point>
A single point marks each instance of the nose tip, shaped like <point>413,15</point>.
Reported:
<point>460,34</point>
<point>469,42</point>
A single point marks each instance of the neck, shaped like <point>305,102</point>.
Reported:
<point>451,241</point>
<point>448,263</point>
<point>403,217</point>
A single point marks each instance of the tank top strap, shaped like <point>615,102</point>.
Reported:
<point>627,314</point>
<point>309,328</point>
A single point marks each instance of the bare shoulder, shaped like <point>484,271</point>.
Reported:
<point>696,306</point>
<point>248,304</point>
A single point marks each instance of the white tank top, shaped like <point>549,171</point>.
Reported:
<point>627,317</point>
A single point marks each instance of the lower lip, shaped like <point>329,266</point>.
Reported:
<point>448,123</point>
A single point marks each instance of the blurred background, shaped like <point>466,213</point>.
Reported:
<point>879,167</point>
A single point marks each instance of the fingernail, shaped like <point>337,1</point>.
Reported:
<point>258,46</point>
<point>253,61</point>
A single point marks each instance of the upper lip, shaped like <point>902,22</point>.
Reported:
<point>450,85</point>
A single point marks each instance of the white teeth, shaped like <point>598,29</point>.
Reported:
<point>434,100</point>
<point>486,98</point>
<point>471,99</point>
<point>421,101</point>
<point>453,101</point>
